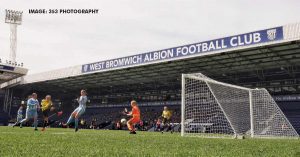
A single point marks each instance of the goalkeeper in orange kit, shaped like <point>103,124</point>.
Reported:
<point>135,114</point>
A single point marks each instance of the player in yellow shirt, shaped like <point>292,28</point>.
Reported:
<point>47,106</point>
<point>166,119</point>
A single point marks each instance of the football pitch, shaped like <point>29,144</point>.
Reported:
<point>65,142</point>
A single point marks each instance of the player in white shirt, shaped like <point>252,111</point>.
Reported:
<point>74,117</point>
<point>31,111</point>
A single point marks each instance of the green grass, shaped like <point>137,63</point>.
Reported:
<point>65,142</point>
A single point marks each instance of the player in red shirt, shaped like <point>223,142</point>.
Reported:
<point>135,114</point>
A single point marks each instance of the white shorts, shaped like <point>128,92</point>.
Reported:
<point>31,114</point>
<point>79,111</point>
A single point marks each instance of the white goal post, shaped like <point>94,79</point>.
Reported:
<point>216,109</point>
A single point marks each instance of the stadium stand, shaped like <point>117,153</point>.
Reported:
<point>4,118</point>
<point>292,110</point>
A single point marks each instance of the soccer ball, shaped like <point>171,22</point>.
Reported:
<point>52,108</point>
<point>123,121</point>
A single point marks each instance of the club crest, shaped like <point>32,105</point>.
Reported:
<point>85,67</point>
<point>271,34</point>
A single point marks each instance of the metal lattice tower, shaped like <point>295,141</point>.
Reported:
<point>13,18</point>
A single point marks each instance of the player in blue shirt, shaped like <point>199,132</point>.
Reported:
<point>19,114</point>
<point>31,111</point>
<point>79,110</point>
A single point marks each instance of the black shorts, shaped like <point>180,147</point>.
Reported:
<point>46,112</point>
<point>166,121</point>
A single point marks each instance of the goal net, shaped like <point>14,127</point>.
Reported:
<point>215,109</point>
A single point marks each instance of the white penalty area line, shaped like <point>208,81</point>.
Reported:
<point>58,133</point>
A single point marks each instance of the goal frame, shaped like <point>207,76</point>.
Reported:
<point>208,80</point>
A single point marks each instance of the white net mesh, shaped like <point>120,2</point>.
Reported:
<point>235,103</point>
<point>203,115</point>
<point>268,119</point>
<point>215,109</point>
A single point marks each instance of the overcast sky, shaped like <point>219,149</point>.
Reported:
<point>126,27</point>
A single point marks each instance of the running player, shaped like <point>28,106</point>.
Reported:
<point>166,118</point>
<point>47,106</point>
<point>19,114</point>
<point>135,114</point>
<point>31,111</point>
<point>78,111</point>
